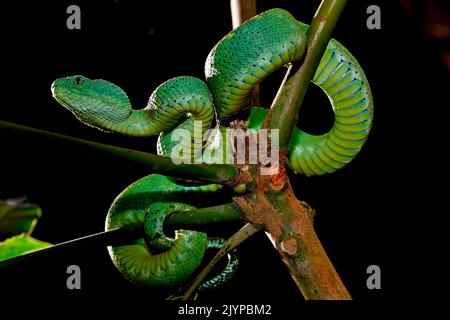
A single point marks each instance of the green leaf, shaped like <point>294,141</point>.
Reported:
<point>17,216</point>
<point>20,244</point>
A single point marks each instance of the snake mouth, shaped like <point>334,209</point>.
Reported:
<point>53,88</point>
<point>62,102</point>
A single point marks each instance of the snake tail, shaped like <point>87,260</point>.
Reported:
<point>227,273</point>
<point>341,77</point>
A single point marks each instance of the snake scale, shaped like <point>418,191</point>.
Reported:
<point>238,62</point>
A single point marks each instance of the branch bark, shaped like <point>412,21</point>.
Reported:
<point>241,11</point>
<point>288,221</point>
<point>289,226</point>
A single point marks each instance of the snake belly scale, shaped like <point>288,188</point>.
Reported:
<point>238,62</point>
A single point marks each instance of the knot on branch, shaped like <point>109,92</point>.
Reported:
<point>289,246</point>
<point>278,182</point>
<point>311,212</point>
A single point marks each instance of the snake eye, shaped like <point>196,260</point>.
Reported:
<point>79,81</point>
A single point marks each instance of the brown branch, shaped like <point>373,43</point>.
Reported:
<point>241,11</point>
<point>288,221</point>
<point>289,226</point>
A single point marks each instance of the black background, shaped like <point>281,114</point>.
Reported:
<point>363,209</point>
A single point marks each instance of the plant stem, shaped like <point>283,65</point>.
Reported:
<point>96,240</point>
<point>192,219</point>
<point>224,213</point>
<point>216,173</point>
<point>286,105</point>
<point>236,239</point>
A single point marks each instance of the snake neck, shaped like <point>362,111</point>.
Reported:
<point>139,123</point>
<point>105,106</point>
<point>149,122</point>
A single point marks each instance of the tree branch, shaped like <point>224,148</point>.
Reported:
<point>288,221</point>
<point>224,213</point>
<point>216,173</point>
<point>241,11</point>
<point>288,224</point>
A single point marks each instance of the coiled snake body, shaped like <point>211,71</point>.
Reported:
<point>242,59</point>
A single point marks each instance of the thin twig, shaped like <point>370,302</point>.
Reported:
<point>97,239</point>
<point>204,216</point>
<point>217,173</point>
<point>243,234</point>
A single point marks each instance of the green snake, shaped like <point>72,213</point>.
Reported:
<point>155,259</point>
<point>238,62</point>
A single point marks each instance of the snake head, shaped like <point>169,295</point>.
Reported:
<point>97,103</point>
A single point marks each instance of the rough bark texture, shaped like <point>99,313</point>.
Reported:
<point>271,202</point>
<point>289,225</point>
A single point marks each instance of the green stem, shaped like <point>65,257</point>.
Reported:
<point>216,173</point>
<point>284,110</point>
<point>96,240</point>
<point>224,213</point>
<point>192,219</point>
